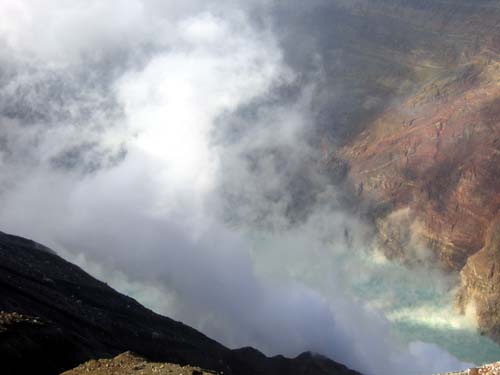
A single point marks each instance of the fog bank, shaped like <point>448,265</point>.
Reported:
<point>172,150</point>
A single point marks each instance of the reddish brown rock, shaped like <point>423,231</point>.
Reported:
<point>429,161</point>
<point>438,153</point>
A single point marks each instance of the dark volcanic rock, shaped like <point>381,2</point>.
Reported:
<point>55,317</point>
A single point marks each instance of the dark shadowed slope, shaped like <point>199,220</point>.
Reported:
<point>55,317</point>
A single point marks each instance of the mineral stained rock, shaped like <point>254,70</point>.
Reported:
<point>427,158</point>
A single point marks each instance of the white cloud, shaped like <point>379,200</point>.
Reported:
<point>161,79</point>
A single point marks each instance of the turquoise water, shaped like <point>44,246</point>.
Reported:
<point>418,303</point>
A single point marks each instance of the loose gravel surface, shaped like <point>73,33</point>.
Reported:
<point>131,364</point>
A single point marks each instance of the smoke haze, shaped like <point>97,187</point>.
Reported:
<point>171,150</point>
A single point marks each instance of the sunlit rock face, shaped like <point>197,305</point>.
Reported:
<point>481,283</point>
<point>437,153</point>
<point>426,154</point>
<point>491,369</point>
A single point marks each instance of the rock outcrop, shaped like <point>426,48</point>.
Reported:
<point>437,153</point>
<point>481,283</point>
<point>131,364</point>
<point>491,369</point>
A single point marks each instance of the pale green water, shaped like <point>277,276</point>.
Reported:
<point>420,307</point>
<point>418,303</point>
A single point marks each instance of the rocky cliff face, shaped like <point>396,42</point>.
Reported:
<point>54,316</point>
<point>427,158</point>
<point>481,283</point>
<point>437,153</point>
